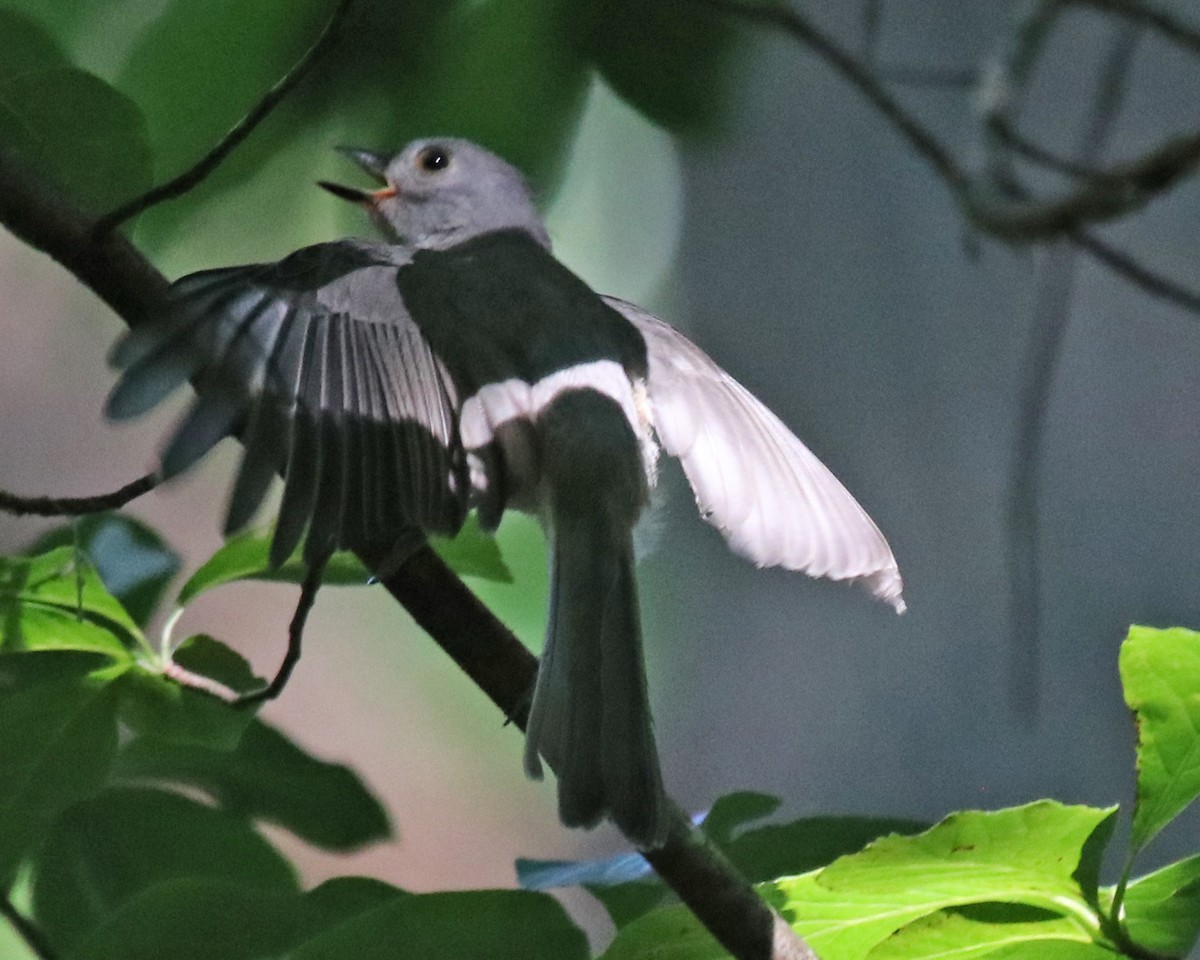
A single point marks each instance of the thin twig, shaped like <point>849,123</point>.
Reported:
<point>76,506</point>
<point>1036,153</point>
<point>27,930</point>
<point>1137,273</point>
<point>1140,11</point>
<point>308,596</point>
<point>954,78</point>
<point>1120,191</point>
<point>196,174</point>
<point>1051,316</point>
<point>845,63</point>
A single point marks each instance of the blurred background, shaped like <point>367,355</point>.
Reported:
<point>725,177</point>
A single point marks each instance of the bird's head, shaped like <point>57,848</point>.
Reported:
<point>440,191</point>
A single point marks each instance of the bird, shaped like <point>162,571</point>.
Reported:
<point>456,365</point>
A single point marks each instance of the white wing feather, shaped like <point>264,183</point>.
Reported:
<point>771,498</point>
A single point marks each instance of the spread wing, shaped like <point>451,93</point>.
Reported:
<point>770,497</point>
<point>315,365</point>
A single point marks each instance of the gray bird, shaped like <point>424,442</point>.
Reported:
<point>456,366</point>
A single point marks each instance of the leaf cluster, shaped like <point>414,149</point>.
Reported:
<point>131,807</point>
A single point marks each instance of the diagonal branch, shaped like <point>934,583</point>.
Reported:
<point>196,174</point>
<point>437,599</point>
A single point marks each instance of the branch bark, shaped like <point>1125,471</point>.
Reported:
<point>436,598</point>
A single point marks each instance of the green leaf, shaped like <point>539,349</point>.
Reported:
<point>69,125</point>
<point>497,924</point>
<point>950,935</point>
<point>778,850</point>
<point>764,853</point>
<point>57,742</point>
<point>472,553</point>
<point>197,919</point>
<point>1024,855</point>
<point>197,68</point>
<point>267,777</point>
<point>108,849</point>
<point>28,46</point>
<point>482,69</point>
<point>1160,670</point>
<point>671,59</point>
<point>245,557</point>
<point>132,559</point>
<point>1162,909</point>
<point>61,582</point>
<point>338,900</point>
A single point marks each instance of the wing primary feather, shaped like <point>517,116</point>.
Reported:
<point>266,436</point>
<point>387,517</point>
<point>159,362</point>
<point>325,528</point>
<point>304,445</point>
<point>222,390</point>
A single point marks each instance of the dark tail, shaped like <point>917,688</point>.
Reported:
<point>590,717</point>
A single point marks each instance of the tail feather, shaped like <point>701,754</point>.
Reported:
<point>590,717</point>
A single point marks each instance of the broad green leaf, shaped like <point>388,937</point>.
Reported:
<point>267,777</point>
<point>734,810</point>
<point>497,924</point>
<point>60,580</point>
<point>245,557</point>
<point>950,935</point>
<point>76,130</point>
<point>338,900</point>
<point>57,741</point>
<point>28,46</point>
<point>777,850</point>
<point>1162,909</point>
<point>504,74</point>
<point>197,919</point>
<point>133,561</point>
<point>671,59</point>
<point>162,708</point>
<point>30,627</point>
<point>197,68</point>
<point>106,850</point>
<point>1160,671</point>
<point>1025,855</point>
<point>473,553</point>
<point>763,853</point>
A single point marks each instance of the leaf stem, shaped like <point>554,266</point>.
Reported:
<point>197,173</point>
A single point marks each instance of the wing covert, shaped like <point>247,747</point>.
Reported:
<point>316,366</point>
<point>771,498</point>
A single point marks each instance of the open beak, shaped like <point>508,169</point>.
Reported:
<point>375,164</point>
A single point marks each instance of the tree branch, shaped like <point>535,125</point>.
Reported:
<point>1140,11</point>
<point>1116,192</point>
<point>437,599</point>
<point>76,506</point>
<point>195,175</point>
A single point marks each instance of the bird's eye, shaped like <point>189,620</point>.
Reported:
<point>432,159</point>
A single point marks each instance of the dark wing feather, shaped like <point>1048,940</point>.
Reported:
<point>316,366</point>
